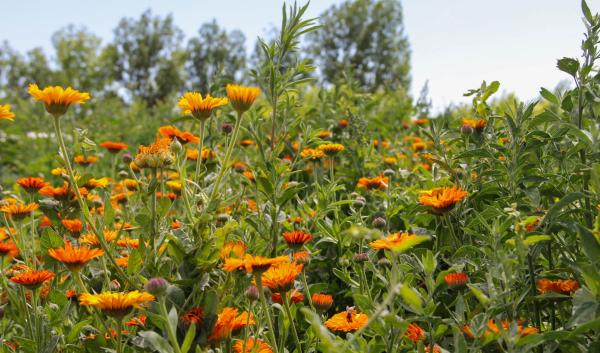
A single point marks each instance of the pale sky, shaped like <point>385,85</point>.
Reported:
<point>455,44</point>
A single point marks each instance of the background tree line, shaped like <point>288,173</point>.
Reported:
<point>148,60</point>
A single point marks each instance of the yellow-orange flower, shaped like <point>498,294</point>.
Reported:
<point>280,277</point>
<point>224,325</point>
<point>296,239</point>
<point>85,161</point>
<point>378,182</point>
<point>241,97</point>
<point>5,113</point>
<point>200,108</point>
<point>207,154</point>
<point>57,99</point>
<point>293,296</point>
<point>242,320</point>
<point>347,321</point>
<point>183,137</point>
<point>494,329</point>
<point>8,248</point>
<point>19,211</point>
<point>116,304</point>
<point>331,149</point>
<point>392,241</point>
<point>74,258</point>
<point>31,184</point>
<point>561,286</point>
<point>252,346</point>
<point>322,301</point>
<point>477,124</point>
<point>157,155</point>
<point>252,263</point>
<point>415,333</point>
<point>32,279</point>
<point>235,248</point>
<point>114,147</point>
<point>74,226</point>
<point>312,153</point>
<point>442,199</point>
<point>92,240</point>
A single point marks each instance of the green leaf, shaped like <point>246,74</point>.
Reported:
<point>585,308</point>
<point>412,298</point>
<point>565,201</point>
<point>586,11</point>
<point>532,239</point>
<point>134,263</point>
<point>589,244</point>
<point>189,339</point>
<point>478,293</point>
<point>549,96</point>
<point>410,243</point>
<point>568,65</point>
<point>156,341</point>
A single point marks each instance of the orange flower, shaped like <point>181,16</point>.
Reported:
<point>247,143</point>
<point>7,232</point>
<point>238,248</point>
<point>342,123</point>
<point>331,149</point>
<point>32,279</point>
<point>378,182</point>
<point>74,258</point>
<point>384,143</point>
<point>442,199</point>
<point>157,155</point>
<point>8,248</point>
<point>456,280</point>
<point>183,137</point>
<point>323,134</point>
<point>91,239</point>
<point>117,304</point>
<point>493,329</point>
<point>252,346</point>
<point>281,277</point>
<point>59,193</point>
<point>114,147</point>
<point>193,316</point>
<point>296,297</point>
<point>139,321</point>
<point>242,320</point>
<point>31,185</point>
<point>241,97</point>
<point>260,264</point>
<point>415,333</point>
<point>5,113</point>
<point>392,241</point>
<point>200,108</point>
<point>301,257</point>
<point>224,325</point>
<point>74,226</point>
<point>477,124</point>
<point>19,211</point>
<point>561,286</point>
<point>128,243</point>
<point>207,154</point>
<point>347,321</point>
<point>418,146</point>
<point>296,239</point>
<point>312,154</point>
<point>322,301</point>
<point>57,99</point>
<point>420,121</point>
<point>85,161</point>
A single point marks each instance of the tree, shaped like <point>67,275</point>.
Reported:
<point>147,56</point>
<point>364,38</point>
<point>215,53</point>
<point>18,71</point>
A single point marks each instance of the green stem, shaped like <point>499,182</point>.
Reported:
<point>263,301</point>
<point>119,336</point>
<point>245,343</point>
<point>200,147</point>
<point>536,310</point>
<point>84,209</point>
<point>170,329</point>
<point>225,164</point>
<point>153,210</point>
<point>286,305</point>
<point>77,276</point>
<point>308,295</point>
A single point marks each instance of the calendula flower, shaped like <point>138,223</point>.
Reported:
<point>183,137</point>
<point>241,97</point>
<point>420,121</point>
<point>6,232</point>
<point>477,124</point>
<point>128,243</point>
<point>322,302</point>
<point>74,226</point>
<point>415,333</point>
<point>375,183</point>
<point>233,248</point>
<point>193,316</point>
<point>384,143</point>
<point>61,193</point>
<point>5,113</point>
<point>419,146</point>
<point>494,330</point>
<point>296,239</point>
<point>456,280</point>
<point>74,258</point>
<point>252,346</point>
<point>97,183</point>
<point>242,320</point>
<point>293,296</point>
<point>224,324</point>
<point>323,134</point>
<point>247,143</point>
<point>561,286</point>
<point>331,149</point>
<point>442,199</point>
<point>114,147</point>
<point>312,154</point>
<point>92,240</point>
<point>157,155</point>
<point>200,108</point>
<point>301,257</point>
<point>31,184</point>
<point>85,160</point>
<point>8,248</point>
<point>57,99</point>
<point>32,279</point>
<point>116,304</point>
<point>343,123</point>
<point>280,277</point>
<point>19,211</point>
<point>139,321</point>
<point>347,321</point>
<point>207,154</point>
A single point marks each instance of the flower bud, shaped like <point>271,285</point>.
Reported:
<point>379,222</point>
<point>466,129</point>
<point>361,257</point>
<point>123,174</point>
<point>114,285</point>
<point>222,217</point>
<point>176,146</point>
<point>252,293</point>
<point>360,202</point>
<point>127,158</point>
<point>226,128</point>
<point>384,262</point>
<point>389,172</point>
<point>156,286</point>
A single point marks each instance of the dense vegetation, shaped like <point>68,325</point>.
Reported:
<point>301,203</point>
